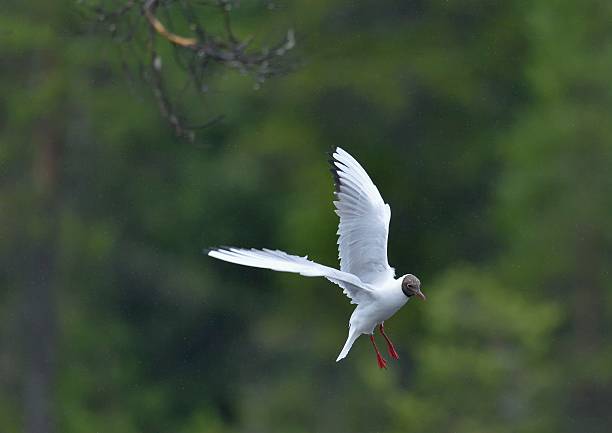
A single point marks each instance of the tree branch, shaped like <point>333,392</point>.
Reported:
<point>194,55</point>
<point>148,10</point>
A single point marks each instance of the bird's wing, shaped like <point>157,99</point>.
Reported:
<point>364,220</point>
<point>276,260</point>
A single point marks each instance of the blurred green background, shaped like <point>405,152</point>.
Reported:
<point>486,125</point>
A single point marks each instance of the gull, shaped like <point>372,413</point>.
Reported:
<point>365,275</point>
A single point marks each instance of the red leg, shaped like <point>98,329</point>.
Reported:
<point>390,347</point>
<point>382,363</point>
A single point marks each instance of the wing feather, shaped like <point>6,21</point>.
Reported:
<point>364,220</point>
<point>277,260</point>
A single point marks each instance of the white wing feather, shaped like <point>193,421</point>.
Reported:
<point>277,260</point>
<point>364,221</point>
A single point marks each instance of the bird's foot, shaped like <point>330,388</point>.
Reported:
<point>390,348</point>
<point>392,352</point>
<point>382,362</point>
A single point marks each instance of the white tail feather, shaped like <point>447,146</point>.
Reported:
<point>349,343</point>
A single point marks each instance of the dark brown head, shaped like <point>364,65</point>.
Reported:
<point>411,286</point>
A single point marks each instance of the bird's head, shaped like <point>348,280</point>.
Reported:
<point>411,286</point>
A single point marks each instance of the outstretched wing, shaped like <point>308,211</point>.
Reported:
<point>364,220</point>
<point>277,260</point>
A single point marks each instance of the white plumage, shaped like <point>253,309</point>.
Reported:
<point>277,260</point>
<point>365,275</point>
<point>364,221</point>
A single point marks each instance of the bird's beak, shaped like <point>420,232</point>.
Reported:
<point>421,295</point>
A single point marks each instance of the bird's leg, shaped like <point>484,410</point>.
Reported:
<point>390,347</point>
<point>382,363</point>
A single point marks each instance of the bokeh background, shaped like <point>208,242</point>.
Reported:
<point>486,125</point>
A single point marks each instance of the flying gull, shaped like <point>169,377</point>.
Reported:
<point>365,275</point>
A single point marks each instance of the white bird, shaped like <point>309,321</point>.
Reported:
<point>365,275</point>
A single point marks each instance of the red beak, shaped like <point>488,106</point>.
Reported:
<point>421,295</point>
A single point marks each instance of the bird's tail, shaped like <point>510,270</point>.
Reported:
<point>352,336</point>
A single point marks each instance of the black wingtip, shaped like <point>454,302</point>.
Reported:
<point>336,177</point>
<point>219,248</point>
<point>333,168</point>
